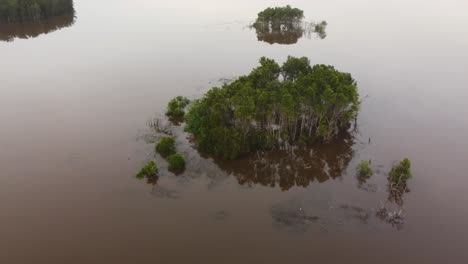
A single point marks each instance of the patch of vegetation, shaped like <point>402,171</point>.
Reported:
<point>282,25</point>
<point>320,29</point>
<point>263,111</point>
<point>176,107</point>
<point>400,172</point>
<point>149,170</point>
<point>14,11</point>
<point>278,15</point>
<point>166,146</point>
<point>285,25</point>
<point>364,169</point>
<point>176,163</point>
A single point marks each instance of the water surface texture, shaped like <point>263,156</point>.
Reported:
<point>74,108</point>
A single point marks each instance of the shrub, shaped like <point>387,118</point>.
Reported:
<point>176,107</point>
<point>176,162</point>
<point>364,169</point>
<point>400,172</point>
<point>166,146</point>
<point>149,170</point>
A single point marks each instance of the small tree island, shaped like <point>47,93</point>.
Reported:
<point>284,25</point>
<point>274,107</point>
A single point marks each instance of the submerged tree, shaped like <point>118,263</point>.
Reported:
<point>263,111</point>
<point>400,172</point>
<point>364,170</point>
<point>397,180</point>
<point>397,188</point>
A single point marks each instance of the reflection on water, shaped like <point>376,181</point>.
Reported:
<point>392,211</point>
<point>163,192</point>
<point>291,218</point>
<point>299,167</point>
<point>289,32</point>
<point>8,32</point>
<point>298,215</point>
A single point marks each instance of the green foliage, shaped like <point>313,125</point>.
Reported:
<point>12,11</point>
<point>364,169</point>
<point>149,170</point>
<point>295,66</point>
<point>176,107</point>
<point>262,111</point>
<point>166,146</point>
<point>320,27</point>
<point>176,163</point>
<point>400,172</point>
<point>285,25</point>
<point>280,14</point>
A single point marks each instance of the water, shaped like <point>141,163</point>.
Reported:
<point>74,106</point>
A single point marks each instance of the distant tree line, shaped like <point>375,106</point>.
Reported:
<point>15,11</point>
<point>273,107</point>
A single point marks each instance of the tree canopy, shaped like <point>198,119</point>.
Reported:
<point>401,172</point>
<point>286,13</point>
<point>274,107</point>
<point>13,11</point>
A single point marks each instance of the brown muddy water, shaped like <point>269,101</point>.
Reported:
<point>74,108</point>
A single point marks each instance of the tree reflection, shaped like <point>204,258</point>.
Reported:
<point>8,32</point>
<point>298,167</point>
<point>288,32</point>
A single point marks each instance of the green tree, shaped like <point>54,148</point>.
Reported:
<point>401,172</point>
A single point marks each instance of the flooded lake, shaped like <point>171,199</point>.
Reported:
<point>76,99</point>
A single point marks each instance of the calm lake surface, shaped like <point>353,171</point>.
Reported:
<point>74,108</point>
